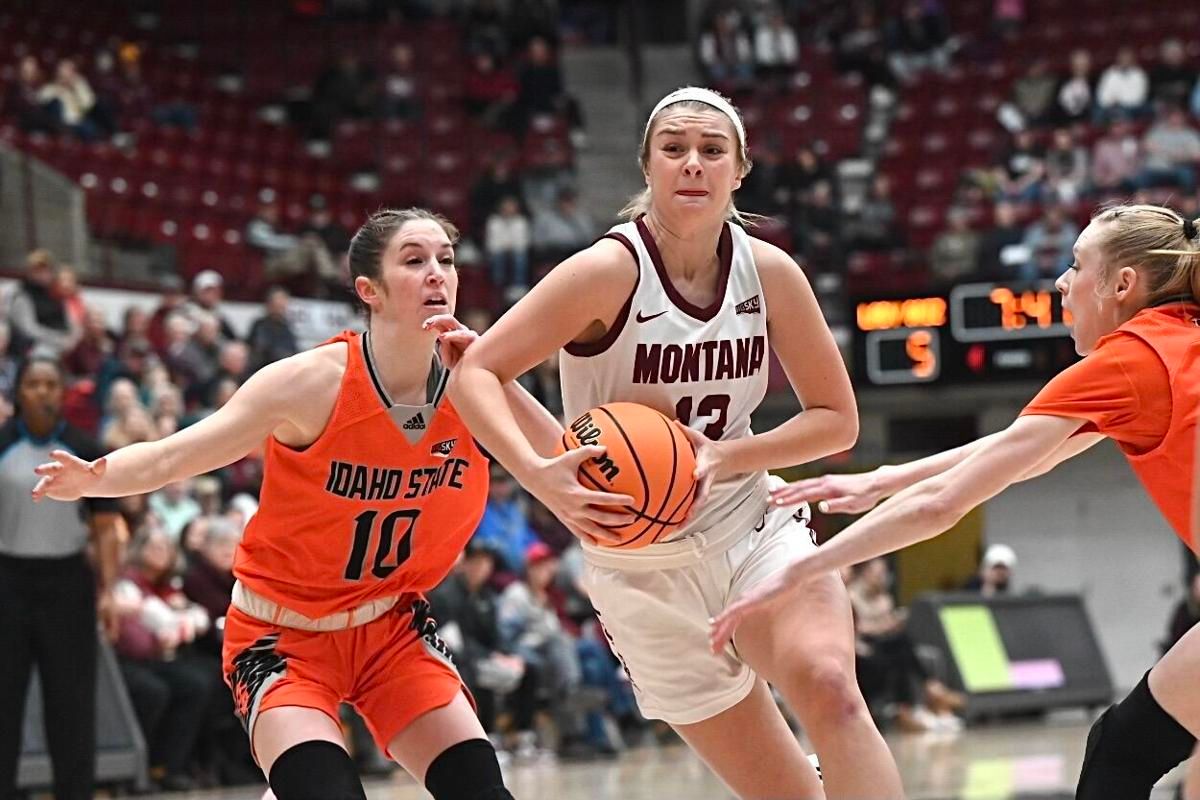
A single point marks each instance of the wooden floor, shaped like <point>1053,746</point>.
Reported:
<point>1008,761</point>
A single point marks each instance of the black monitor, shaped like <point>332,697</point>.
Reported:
<point>1014,654</point>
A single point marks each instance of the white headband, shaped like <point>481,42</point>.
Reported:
<point>701,95</point>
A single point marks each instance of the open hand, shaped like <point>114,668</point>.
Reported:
<point>67,477</point>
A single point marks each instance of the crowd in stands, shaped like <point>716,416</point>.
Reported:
<point>261,174</point>
<point>1074,131</point>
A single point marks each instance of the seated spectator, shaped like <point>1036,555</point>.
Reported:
<point>1124,89</point>
<point>169,688</point>
<point>859,48</point>
<point>889,663</point>
<point>1034,93</point>
<point>563,230</point>
<point>546,172</point>
<point>208,289</point>
<point>1008,17</point>
<point>799,176</point>
<point>1002,247</point>
<point>175,507</point>
<point>271,336</point>
<point>171,299</point>
<point>195,363</point>
<point>955,251</point>
<point>530,626</point>
<point>66,288</point>
<point>496,183</point>
<point>37,315</point>
<point>540,91</point>
<point>344,90</point>
<point>71,100</point>
<point>132,361</point>
<point>1050,241</point>
<point>725,52</point>
<point>233,363</point>
<point>995,571</point>
<point>1172,151</point>
<point>776,49</point>
<point>1023,170</point>
<point>26,102</point>
<point>1066,169</point>
<point>209,579</point>
<point>302,263</point>
<point>918,39</point>
<point>818,227</point>
<point>759,192</point>
<point>875,227</point>
<point>1077,93</point>
<point>95,346</point>
<point>505,528</point>
<point>507,241</point>
<point>322,225</point>
<point>133,425</point>
<point>8,372</point>
<point>400,99</point>
<point>1171,78</point>
<point>466,609</point>
<point>489,91</point>
<point>1116,159</point>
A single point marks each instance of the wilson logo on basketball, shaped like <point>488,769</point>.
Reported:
<point>750,306</point>
<point>587,433</point>
<point>417,423</point>
<point>442,448</point>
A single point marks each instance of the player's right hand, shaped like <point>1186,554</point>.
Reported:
<point>555,482</point>
<point>833,494</point>
<point>67,477</point>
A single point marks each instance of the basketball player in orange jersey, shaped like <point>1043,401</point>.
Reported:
<point>372,487</point>
<point>1134,294</point>
<point>675,309</point>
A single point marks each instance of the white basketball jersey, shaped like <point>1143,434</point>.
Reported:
<point>706,367</point>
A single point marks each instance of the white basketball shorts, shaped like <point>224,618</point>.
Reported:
<point>655,603</point>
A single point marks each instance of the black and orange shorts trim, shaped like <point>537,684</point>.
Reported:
<point>392,669</point>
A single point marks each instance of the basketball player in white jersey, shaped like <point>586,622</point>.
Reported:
<point>675,309</point>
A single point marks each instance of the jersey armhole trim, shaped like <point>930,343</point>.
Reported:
<point>589,349</point>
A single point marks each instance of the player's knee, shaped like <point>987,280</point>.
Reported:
<point>316,770</point>
<point>1131,746</point>
<point>826,691</point>
<point>466,771</point>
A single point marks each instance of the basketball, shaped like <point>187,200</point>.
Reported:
<point>648,457</point>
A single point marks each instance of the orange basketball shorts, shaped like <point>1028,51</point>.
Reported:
<point>392,669</point>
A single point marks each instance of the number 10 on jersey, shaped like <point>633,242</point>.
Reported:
<point>385,561</point>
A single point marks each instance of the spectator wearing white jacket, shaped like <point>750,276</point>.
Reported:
<point>507,240</point>
<point>1123,90</point>
<point>776,50</point>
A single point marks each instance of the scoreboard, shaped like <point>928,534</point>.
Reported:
<point>974,332</point>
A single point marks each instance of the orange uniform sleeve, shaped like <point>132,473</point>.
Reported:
<point>1122,389</point>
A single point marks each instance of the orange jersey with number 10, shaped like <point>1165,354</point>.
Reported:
<point>366,511</point>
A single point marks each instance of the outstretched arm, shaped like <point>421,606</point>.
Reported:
<point>250,416</point>
<point>919,512</point>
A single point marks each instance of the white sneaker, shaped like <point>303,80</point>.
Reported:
<point>816,762</point>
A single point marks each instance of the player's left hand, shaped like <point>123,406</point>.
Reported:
<point>708,465</point>
<point>774,589</point>
<point>453,337</point>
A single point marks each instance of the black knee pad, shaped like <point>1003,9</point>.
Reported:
<point>315,770</point>
<point>466,771</point>
<point>1130,747</point>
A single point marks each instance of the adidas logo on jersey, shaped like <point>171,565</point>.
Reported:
<point>417,423</point>
<point>442,448</point>
<point>751,306</point>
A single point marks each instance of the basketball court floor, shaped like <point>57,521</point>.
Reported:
<point>1002,761</point>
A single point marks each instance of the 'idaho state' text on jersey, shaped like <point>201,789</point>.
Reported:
<point>372,508</point>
